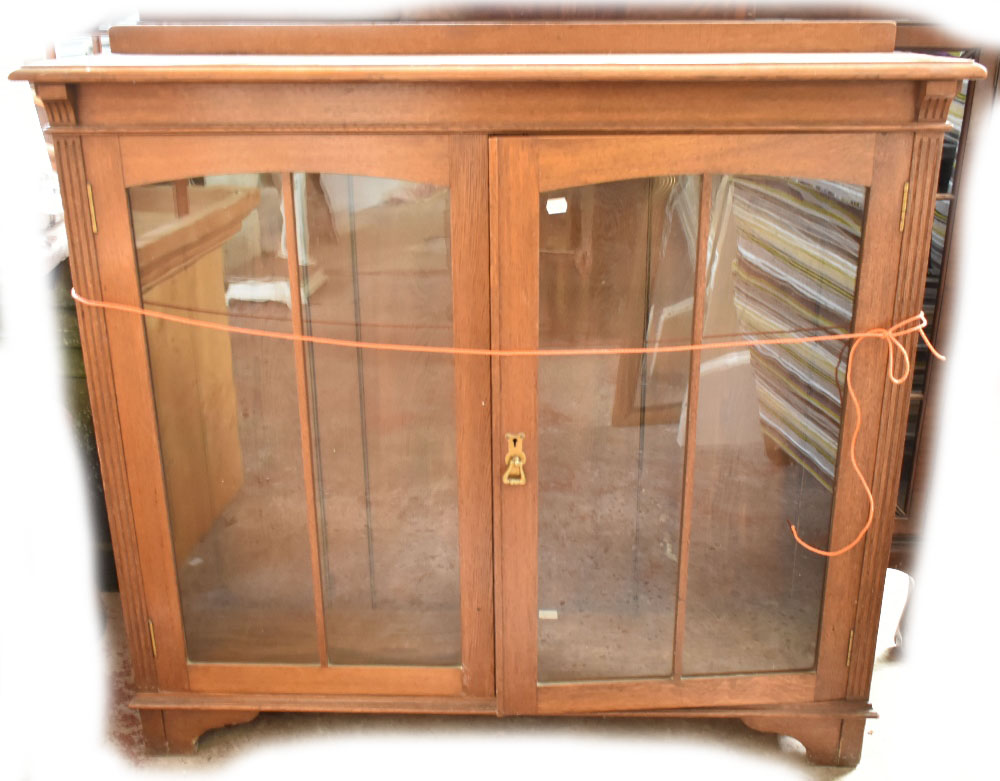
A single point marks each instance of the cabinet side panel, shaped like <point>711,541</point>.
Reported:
<point>101,388</point>
<point>133,392</point>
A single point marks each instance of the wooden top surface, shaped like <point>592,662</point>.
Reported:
<point>734,67</point>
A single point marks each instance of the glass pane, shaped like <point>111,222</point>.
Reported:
<point>783,258</point>
<point>616,269</point>
<point>377,268</point>
<point>212,248</point>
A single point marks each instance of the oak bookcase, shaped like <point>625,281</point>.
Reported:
<point>300,526</point>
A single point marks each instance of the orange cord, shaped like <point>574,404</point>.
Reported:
<point>890,336</point>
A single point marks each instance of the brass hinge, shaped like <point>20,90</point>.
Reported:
<point>152,636</point>
<point>850,646</point>
<point>93,214</point>
<point>902,212</point>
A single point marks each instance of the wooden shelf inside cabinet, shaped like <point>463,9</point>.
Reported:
<point>343,472</point>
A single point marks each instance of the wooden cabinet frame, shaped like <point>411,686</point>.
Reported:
<point>525,167</point>
<point>456,162</point>
<point>498,132</point>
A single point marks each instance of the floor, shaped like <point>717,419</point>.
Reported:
<point>388,746</point>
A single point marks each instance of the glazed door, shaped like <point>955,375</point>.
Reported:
<point>645,559</point>
<point>323,523</point>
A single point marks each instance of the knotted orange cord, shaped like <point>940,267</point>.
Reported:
<point>890,336</point>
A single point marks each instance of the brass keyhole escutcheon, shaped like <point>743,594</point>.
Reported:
<point>515,459</point>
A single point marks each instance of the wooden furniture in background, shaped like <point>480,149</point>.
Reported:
<point>178,243</point>
<point>372,558</point>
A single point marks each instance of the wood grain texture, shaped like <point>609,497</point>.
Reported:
<point>147,702</point>
<point>512,37</point>
<point>934,98</point>
<point>495,418</point>
<point>517,236</point>
<point>153,730</point>
<point>153,702</point>
<point>469,189</point>
<point>183,728</point>
<point>846,158</point>
<point>159,158</point>
<point>691,430</point>
<point>340,679</point>
<point>852,735</point>
<point>877,274</point>
<point>839,709</point>
<point>96,350</point>
<point>915,35</point>
<point>211,116</point>
<point>828,741</point>
<point>182,202</point>
<point>506,68</point>
<point>659,693</point>
<point>59,101</point>
<point>625,107</point>
<point>133,392</point>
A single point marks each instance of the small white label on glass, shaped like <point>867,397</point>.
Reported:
<point>556,206</point>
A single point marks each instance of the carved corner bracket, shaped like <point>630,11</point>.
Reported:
<point>60,103</point>
<point>934,99</point>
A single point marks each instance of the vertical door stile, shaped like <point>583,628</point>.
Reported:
<point>887,451</point>
<point>518,316</point>
<point>877,282</point>
<point>305,429</point>
<point>469,242</point>
<point>496,434</point>
<point>690,435</point>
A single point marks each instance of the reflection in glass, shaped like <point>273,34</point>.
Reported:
<point>935,265</point>
<point>932,293</point>
<point>212,249</point>
<point>616,269</point>
<point>949,151</point>
<point>783,258</point>
<point>376,267</point>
